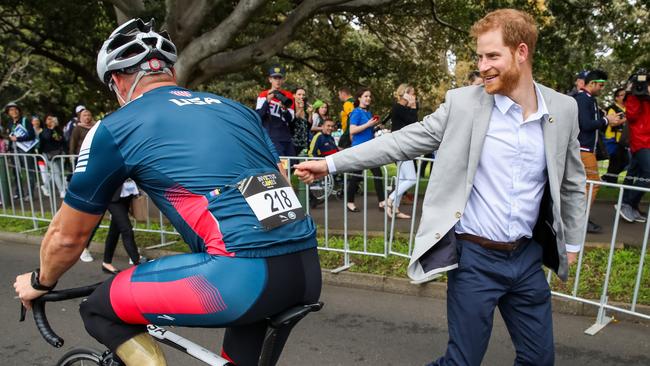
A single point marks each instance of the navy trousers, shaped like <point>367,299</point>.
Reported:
<point>513,281</point>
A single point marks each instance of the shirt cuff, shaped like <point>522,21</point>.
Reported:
<point>572,248</point>
<point>330,164</point>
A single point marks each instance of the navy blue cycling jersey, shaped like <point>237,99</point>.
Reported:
<point>187,150</point>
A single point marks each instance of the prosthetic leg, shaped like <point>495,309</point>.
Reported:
<point>141,350</point>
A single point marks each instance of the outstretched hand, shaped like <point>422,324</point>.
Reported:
<point>310,171</point>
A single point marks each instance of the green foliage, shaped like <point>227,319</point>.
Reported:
<point>56,42</point>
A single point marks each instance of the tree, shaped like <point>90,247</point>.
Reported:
<point>224,46</point>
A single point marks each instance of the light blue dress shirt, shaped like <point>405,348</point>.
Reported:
<point>511,174</point>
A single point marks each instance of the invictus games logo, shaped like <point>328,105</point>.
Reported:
<point>268,180</point>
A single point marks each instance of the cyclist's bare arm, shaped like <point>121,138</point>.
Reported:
<point>64,241</point>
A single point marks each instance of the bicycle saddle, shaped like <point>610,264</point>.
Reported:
<point>293,315</point>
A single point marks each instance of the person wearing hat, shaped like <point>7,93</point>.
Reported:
<point>71,124</point>
<point>276,109</point>
<point>22,139</point>
<point>320,115</point>
<point>591,119</point>
<point>579,83</point>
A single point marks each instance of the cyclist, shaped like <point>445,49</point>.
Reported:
<point>212,170</point>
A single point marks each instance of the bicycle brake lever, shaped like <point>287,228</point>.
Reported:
<point>23,312</point>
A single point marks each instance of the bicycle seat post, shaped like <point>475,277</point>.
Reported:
<point>285,321</point>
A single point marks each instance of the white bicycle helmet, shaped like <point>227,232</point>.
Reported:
<point>135,47</point>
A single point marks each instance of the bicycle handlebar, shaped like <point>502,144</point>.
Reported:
<point>40,318</point>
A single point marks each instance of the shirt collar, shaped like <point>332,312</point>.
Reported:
<point>504,104</point>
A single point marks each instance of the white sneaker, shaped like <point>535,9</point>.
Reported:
<point>46,192</point>
<point>86,256</point>
<point>142,260</point>
<point>62,194</point>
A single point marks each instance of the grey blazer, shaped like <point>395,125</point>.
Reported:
<point>457,130</point>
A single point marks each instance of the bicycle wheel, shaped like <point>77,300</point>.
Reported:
<point>80,357</point>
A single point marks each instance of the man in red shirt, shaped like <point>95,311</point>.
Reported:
<point>637,112</point>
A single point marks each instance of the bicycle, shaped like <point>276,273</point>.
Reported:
<point>87,356</point>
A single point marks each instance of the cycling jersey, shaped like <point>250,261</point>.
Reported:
<point>188,150</point>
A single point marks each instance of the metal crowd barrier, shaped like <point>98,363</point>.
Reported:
<point>330,206</point>
<point>603,304</point>
<point>30,187</point>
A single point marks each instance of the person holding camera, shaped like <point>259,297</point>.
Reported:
<point>637,112</point>
<point>362,129</point>
<point>276,108</point>
<point>591,120</point>
<point>617,139</point>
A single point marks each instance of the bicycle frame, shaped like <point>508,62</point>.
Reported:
<point>184,345</point>
<point>286,319</point>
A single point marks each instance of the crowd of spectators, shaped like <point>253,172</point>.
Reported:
<point>30,139</point>
<point>616,134</point>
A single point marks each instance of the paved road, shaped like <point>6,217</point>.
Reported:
<point>356,327</point>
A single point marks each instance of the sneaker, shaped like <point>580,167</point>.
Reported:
<point>46,192</point>
<point>143,259</point>
<point>627,212</point>
<point>639,217</point>
<point>62,195</point>
<point>593,228</point>
<point>86,256</point>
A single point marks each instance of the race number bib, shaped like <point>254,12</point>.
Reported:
<point>272,199</point>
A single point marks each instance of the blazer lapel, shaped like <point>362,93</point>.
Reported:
<point>549,125</point>
<point>480,124</point>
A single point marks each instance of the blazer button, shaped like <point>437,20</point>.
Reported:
<point>458,214</point>
<point>437,235</point>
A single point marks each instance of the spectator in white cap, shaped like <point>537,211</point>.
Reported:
<point>72,123</point>
<point>80,131</point>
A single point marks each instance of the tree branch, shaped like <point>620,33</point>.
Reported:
<point>185,18</point>
<point>222,62</point>
<point>441,22</point>
<point>217,39</point>
<point>130,8</point>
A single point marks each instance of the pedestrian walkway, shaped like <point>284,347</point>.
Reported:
<point>603,213</point>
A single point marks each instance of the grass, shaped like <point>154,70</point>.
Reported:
<point>620,288</point>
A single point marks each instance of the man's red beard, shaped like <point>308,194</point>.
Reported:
<point>506,82</point>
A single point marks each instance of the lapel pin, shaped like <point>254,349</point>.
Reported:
<point>550,119</point>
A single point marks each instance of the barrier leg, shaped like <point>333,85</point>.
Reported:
<point>601,320</point>
<point>346,245</point>
<point>5,193</point>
